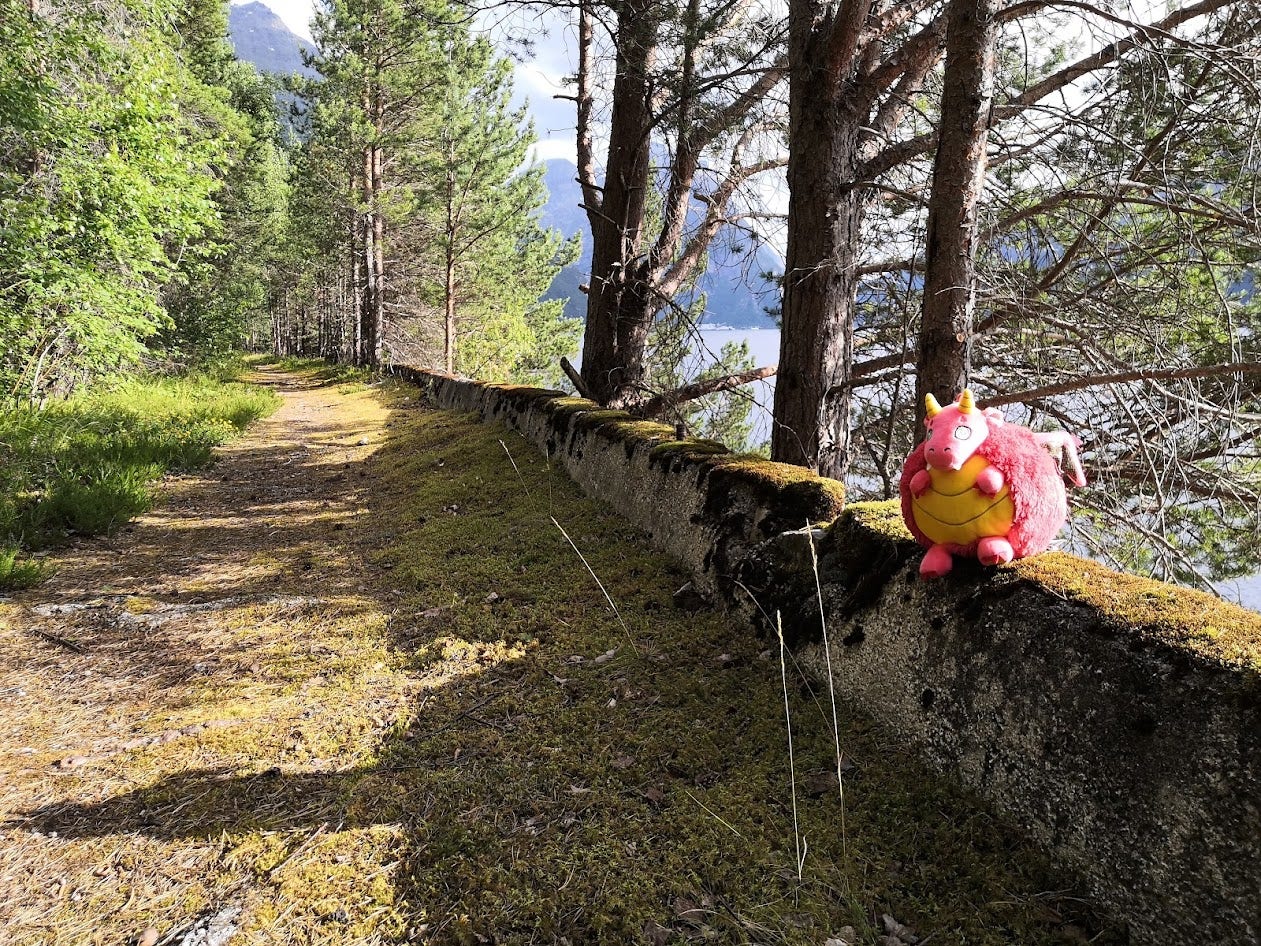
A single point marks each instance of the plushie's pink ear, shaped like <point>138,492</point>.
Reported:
<point>994,415</point>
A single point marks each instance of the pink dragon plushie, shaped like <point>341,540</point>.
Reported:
<point>980,486</point>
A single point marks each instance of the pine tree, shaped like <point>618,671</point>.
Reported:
<point>418,162</point>
<point>480,201</point>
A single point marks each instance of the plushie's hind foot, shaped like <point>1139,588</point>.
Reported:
<point>937,562</point>
<point>994,550</point>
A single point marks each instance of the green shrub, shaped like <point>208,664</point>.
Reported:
<point>94,502</point>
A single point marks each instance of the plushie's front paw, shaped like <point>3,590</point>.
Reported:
<point>937,562</point>
<point>920,483</point>
<point>989,481</point>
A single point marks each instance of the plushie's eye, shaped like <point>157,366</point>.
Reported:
<point>963,432</point>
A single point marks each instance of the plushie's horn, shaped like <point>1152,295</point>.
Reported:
<point>966,403</point>
<point>931,405</point>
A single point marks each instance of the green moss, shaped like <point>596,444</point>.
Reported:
<point>776,474</point>
<point>638,431</point>
<point>465,744</point>
<point>583,799</point>
<point>883,517</point>
<point>689,448</point>
<point>792,494</point>
<point>524,393</point>
<point>571,405</point>
<point>592,420</point>
<point>1157,612</point>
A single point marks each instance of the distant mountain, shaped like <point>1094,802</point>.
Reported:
<point>735,292</point>
<point>260,37</point>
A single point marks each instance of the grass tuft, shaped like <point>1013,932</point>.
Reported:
<point>85,466</point>
<point>18,571</point>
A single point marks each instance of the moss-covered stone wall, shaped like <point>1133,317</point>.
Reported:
<point>1118,720</point>
<point>705,505</point>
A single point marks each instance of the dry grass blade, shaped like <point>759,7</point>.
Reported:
<point>802,848</point>
<point>827,656</point>
<point>603,590</point>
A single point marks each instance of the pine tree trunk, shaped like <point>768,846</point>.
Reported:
<point>448,294</point>
<point>619,313</point>
<point>276,338</point>
<point>369,262</point>
<point>820,273</point>
<point>378,264</point>
<point>356,280</point>
<point>958,177</point>
<point>449,306</point>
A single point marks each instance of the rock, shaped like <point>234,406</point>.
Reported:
<point>654,796</point>
<point>817,784</point>
<point>898,934</point>
<point>213,930</point>
<point>688,598</point>
<point>148,938</point>
<point>655,933</point>
<point>845,936</point>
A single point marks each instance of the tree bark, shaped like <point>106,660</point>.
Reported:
<point>958,179</point>
<point>661,403</point>
<point>367,263</point>
<point>634,277</point>
<point>821,269</point>
<point>618,308</point>
<point>378,262</point>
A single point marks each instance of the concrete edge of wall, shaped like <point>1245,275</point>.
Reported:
<point>1118,720</point>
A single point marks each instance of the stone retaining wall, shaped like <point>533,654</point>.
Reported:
<point>1118,720</point>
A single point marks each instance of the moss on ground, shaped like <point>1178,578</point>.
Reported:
<point>617,774</point>
<point>422,722</point>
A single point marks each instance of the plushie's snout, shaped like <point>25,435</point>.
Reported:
<point>945,457</point>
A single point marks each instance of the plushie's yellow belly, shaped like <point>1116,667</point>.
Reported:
<point>954,511</point>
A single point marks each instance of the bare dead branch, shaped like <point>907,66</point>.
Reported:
<point>572,373</point>
<point>661,403</point>
<point>1139,374</point>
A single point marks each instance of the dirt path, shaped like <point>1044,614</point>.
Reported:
<point>175,646</point>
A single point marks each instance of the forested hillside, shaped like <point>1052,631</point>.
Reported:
<point>141,189</point>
